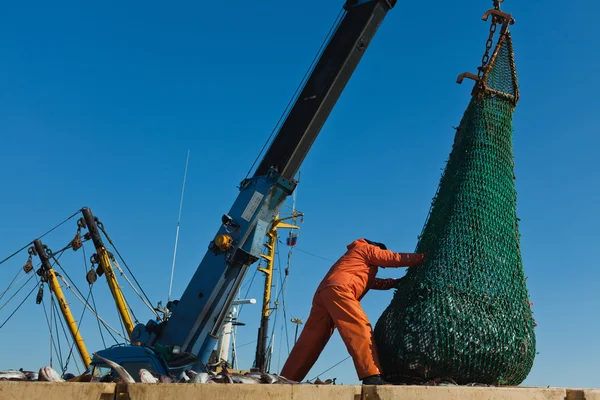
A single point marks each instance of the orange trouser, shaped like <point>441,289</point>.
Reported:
<point>334,307</point>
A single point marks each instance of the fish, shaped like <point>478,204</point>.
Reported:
<point>165,379</point>
<point>32,376</point>
<point>85,377</point>
<point>183,378</point>
<point>239,378</point>
<point>120,370</point>
<point>68,376</point>
<point>107,378</point>
<point>47,374</point>
<point>284,380</point>
<point>201,377</point>
<point>190,374</point>
<point>13,375</point>
<point>268,378</point>
<point>262,377</point>
<point>147,377</point>
<point>318,381</point>
<point>221,378</point>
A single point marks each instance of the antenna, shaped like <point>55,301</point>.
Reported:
<point>178,223</point>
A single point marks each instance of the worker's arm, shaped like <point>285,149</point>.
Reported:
<point>383,284</point>
<point>388,258</point>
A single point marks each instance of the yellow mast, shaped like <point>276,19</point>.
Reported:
<point>48,275</point>
<point>106,268</point>
<point>269,257</point>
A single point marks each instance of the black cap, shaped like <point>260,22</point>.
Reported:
<point>378,244</point>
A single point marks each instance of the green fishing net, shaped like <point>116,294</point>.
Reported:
<point>465,314</point>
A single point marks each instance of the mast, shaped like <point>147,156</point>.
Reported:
<point>105,267</point>
<point>49,275</point>
<point>269,257</point>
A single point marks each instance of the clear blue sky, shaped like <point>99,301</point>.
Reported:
<point>100,102</point>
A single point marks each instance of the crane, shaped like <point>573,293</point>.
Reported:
<point>187,337</point>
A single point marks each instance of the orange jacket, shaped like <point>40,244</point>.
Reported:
<point>357,268</point>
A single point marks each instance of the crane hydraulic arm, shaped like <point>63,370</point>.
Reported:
<point>195,320</point>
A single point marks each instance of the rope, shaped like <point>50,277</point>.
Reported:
<point>18,290</point>
<point>314,255</point>
<point>19,306</point>
<point>329,369</point>
<point>49,324</point>
<point>70,344</point>
<point>98,319</point>
<point>90,294</point>
<point>246,344</point>
<point>135,290</point>
<point>67,275</point>
<point>283,287</point>
<point>11,282</point>
<point>51,332</point>
<point>101,226</point>
<point>28,244</point>
<point>121,322</point>
<point>300,86</point>
<point>86,304</point>
<point>55,317</point>
<point>279,356</point>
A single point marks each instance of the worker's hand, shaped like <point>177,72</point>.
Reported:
<point>421,257</point>
<point>412,259</point>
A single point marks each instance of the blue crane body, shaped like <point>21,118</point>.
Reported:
<point>188,336</point>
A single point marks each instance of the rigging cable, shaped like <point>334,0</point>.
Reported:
<point>54,317</point>
<point>70,344</point>
<point>178,223</point>
<point>86,304</point>
<point>283,287</point>
<point>300,86</point>
<point>279,355</point>
<point>101,226</point>
<point>48,321</point>
<point>13,281</point>
<point>19,306</point>
<point>314,255</point>
<point>123,331</point>
<point>329,369</point>
<point>134,289</point>
<point>28,244</point>
<point>18,290</point>
<point>50,327</point>
<point>91,294</point>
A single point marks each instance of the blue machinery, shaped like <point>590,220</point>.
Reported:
<point>188,336</point>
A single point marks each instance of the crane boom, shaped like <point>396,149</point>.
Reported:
<point>324,86</point>
<point>197,317</point>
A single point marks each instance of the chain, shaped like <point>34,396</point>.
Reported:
<point>488,46</point>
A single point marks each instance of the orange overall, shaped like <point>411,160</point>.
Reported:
<point>336,304</point>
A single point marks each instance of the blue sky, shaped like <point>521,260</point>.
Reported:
<point>100,103</point>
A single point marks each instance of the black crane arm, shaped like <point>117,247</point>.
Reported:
<point>324,86</point>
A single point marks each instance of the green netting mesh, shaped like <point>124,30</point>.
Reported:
<point>465,314</point>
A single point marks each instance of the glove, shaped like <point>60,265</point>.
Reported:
<point>413,259</point>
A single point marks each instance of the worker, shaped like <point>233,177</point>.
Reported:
<point>336,304</point>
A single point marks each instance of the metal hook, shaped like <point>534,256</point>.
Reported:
<point>468,75</point>
<point>505,18</point>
